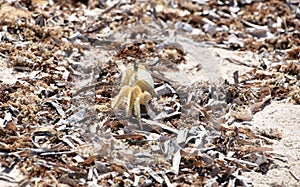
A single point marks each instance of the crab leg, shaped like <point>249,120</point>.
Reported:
<point>137,110</point>
<point>129,102</point>
<point>119,98</point>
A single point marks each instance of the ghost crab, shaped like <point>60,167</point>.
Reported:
<point>137,86</point>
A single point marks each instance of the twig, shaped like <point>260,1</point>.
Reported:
<point>7,178</point>
<point>238,62</point>
<point>88,87</point>
<point>161,125</point>
<point>254,25</point>
<point>294,176</point>
<point>110,8</point>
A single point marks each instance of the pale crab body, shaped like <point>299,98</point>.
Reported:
<point>137,87</point>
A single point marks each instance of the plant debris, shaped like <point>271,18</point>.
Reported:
<point>61,65</point>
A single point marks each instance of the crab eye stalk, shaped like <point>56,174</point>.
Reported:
<point>135,66</point>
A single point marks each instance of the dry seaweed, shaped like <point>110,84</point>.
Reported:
<point>61,64</point>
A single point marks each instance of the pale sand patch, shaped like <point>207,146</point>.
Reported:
<point>286,118</point>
